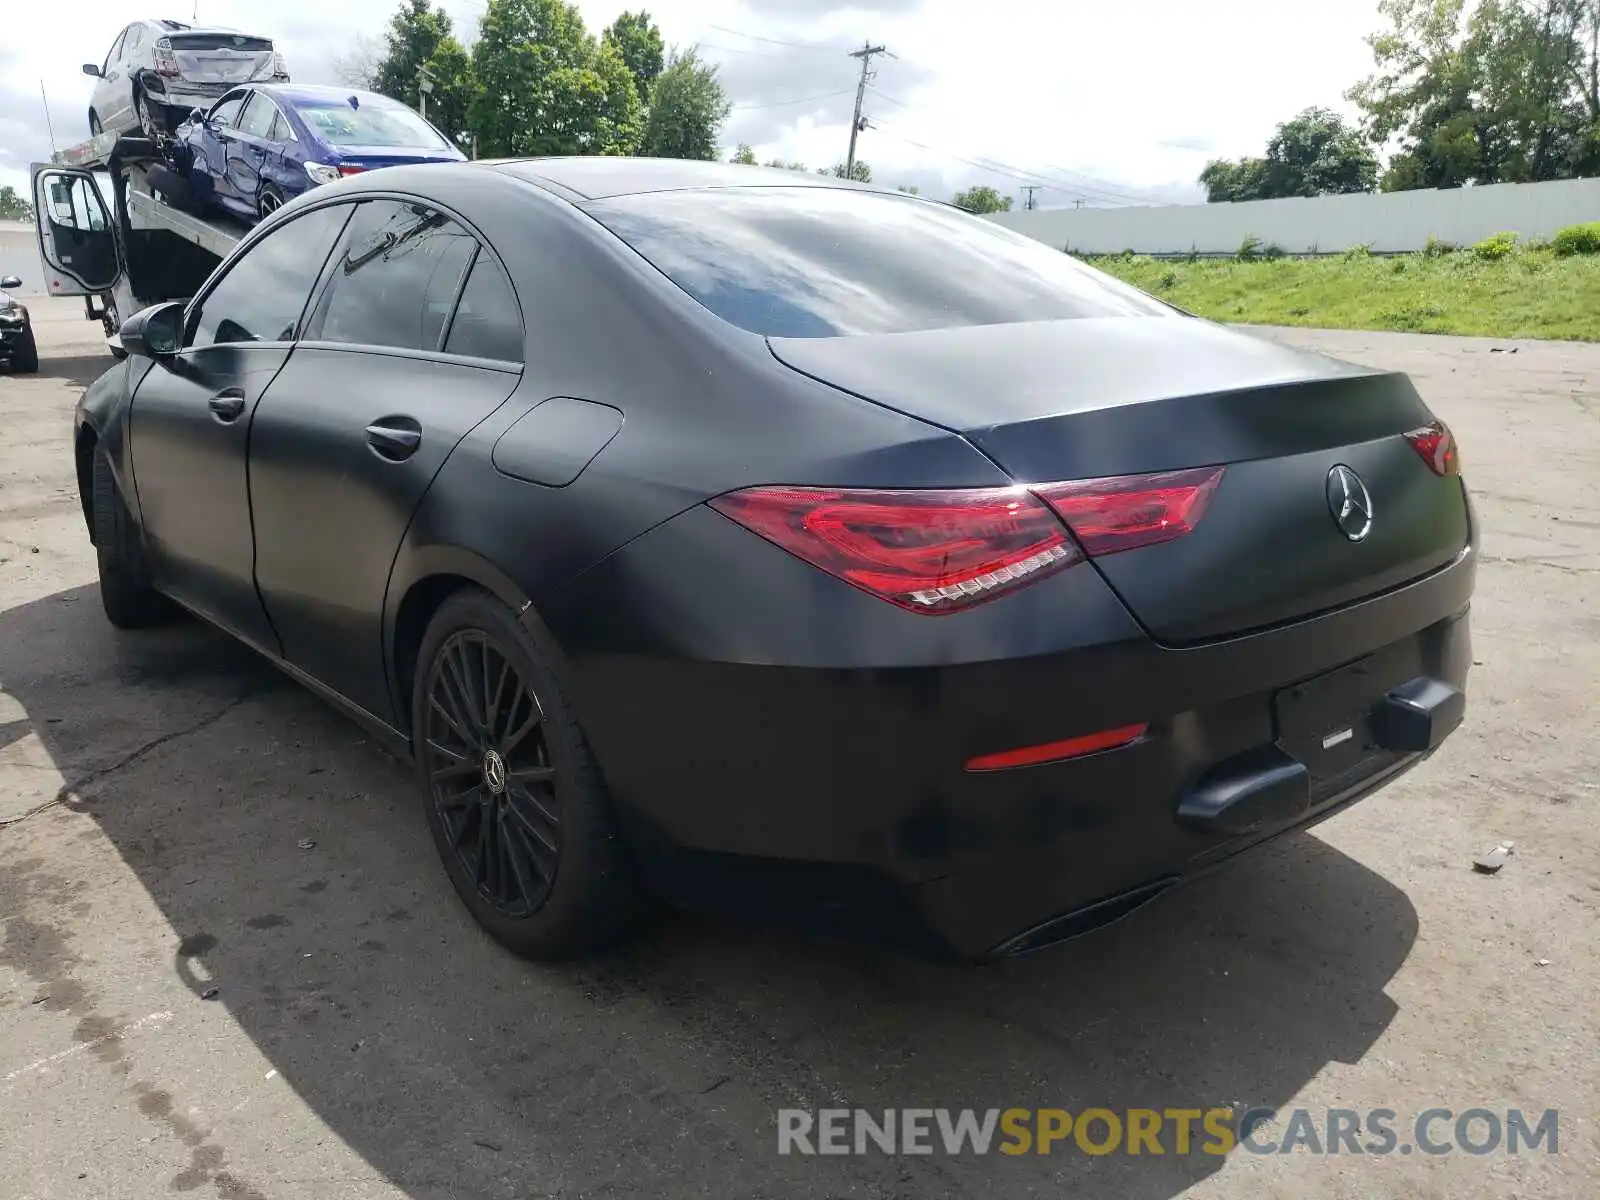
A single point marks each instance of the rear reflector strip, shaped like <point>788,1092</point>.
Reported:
<point>1089,743</point>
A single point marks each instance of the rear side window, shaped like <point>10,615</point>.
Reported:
<point>831,262</point>
<point>397,276</point>
<point>258,115</point>
<point>487,323</point>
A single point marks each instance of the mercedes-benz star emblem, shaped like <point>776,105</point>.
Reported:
<point>494,772</point>
<point>1349,502</point>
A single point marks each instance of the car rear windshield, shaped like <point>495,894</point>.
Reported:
<point>369,125</point>
<point>831,262</point>
<point>219,41</point>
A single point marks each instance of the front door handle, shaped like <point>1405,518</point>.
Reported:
<point>394,438</point>
<point>227,404</point>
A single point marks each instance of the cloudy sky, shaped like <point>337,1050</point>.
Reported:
<point>1103,103</point>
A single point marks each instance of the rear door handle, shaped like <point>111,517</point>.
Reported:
<point>394,438</point>
<point>227,404</point>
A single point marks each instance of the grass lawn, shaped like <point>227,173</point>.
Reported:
<point>1528,293</point>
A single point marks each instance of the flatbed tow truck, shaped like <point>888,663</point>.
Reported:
<point>136,251</point>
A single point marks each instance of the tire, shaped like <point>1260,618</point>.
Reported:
<point>95,128</point>
<point>171,188</point>
<point>125,592</point>
<point>151,118</point>
<point>269,202</point>
<point>25,354</point>
<point>573,891</point>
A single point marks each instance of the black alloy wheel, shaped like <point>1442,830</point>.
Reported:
<point>495,788</point>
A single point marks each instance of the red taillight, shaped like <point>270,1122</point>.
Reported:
<point>1437,446</point>
<point>1125,512</point>
<point>929,551</point>
<point>1089,743</point>
<point>350,169</point>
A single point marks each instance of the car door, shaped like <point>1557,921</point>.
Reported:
<point>77,245</point>
<point>357,425</point>
<point>248,147</point>
<point>112,100</point>
<point>211,155</point>
<point>190,420</point>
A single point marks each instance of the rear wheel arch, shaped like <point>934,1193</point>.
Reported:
<point>418,587</point>
<point>84,452</point>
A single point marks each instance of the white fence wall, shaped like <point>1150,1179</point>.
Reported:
<point>19,255</point>
<point>1384,222</point>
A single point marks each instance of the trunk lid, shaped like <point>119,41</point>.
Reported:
<point>221,57</point>
<point>370,158</point>
<point>1080,399</point>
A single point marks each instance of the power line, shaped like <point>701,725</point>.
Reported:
<point>796,100</point>
<point>1084,184</point>
<point>982,165</point>
<point>889,98</point>
<point>739,50</point>
<point>756,37</point>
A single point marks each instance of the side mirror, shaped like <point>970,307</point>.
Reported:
<point>9,281</point>
<point>198,117</point>
<point>91,69</point>
<point>155,332</point>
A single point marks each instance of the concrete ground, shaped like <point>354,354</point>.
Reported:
<point>180,818</point>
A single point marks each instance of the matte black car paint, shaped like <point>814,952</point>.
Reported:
<point>773,736</point>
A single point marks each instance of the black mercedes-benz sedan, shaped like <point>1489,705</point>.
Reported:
<point>771,544</point>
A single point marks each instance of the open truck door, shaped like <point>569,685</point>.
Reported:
<point>79,250</point>
<point>78,247</point>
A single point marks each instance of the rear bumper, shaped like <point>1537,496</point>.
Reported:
<point>834,798</point>
<point>183,94</point>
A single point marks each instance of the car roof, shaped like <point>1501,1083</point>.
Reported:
<point>597,177</point>
<point>290,92</point>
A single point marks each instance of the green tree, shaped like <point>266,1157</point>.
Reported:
<point>1509,93</point>
<point>687,109</point>
<point>420,36</point>
<point>13,207</point>
<point>1242,179</point>
<point>744,156</point>
<point>1312,154</point>
<point>781,165</point>
<point>546,86</point>
<point>861,172</point>
<point>982,199</point>
<point>909,189</point>
<point>638,40</point>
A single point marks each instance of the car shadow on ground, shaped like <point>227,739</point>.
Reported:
<point>79,369</point>
<point>288,854</point>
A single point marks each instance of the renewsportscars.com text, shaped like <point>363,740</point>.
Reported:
<point>1175,1131</point>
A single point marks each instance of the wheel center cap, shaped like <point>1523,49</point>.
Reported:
<point>494,771</point>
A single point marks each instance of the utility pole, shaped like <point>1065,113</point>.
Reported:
<point>1030,188</point>
<point>856,122</point>
<point>424,88</point>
